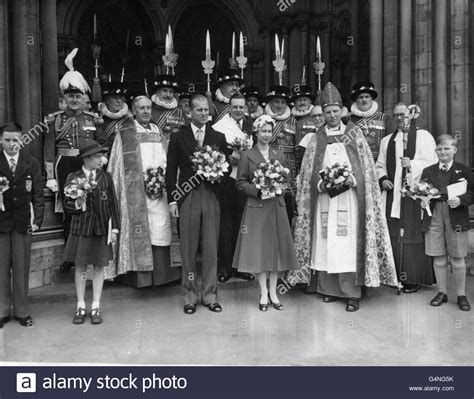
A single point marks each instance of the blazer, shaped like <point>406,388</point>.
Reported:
<point>459,216</point>
<point>101,205</point>
<point>25,187</point>
<point>249,162</point>
<point>180,150</point>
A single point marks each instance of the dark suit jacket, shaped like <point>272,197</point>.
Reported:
<point>180,150</point>
<point>25,187</point>
<point>101,205</point>
<point>460,215</point>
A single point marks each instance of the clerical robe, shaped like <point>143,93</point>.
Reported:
<point>374,264</point>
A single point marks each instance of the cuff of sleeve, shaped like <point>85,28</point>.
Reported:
<point>173,203</point>
<point>116,231</point>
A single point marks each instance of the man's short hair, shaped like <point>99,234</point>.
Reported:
<point>197,97</point>
<point>136,100</point>
<point>237,96</point>
<point>445,138</point>
<point>10,127</point>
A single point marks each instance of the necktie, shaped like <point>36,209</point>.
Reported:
<point>12,165</point>
<point>444,168</point>
<point>200,137</point>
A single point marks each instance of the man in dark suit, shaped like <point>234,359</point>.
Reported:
<point>196,202</point>
<point>233,125</point>
<point>25,186</point>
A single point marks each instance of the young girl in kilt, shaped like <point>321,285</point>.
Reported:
<point>88,242</point>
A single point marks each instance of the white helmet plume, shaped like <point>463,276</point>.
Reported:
<point>73,79</point>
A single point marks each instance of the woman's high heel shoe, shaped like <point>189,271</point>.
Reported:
<point>263,306</point>
<point>276,305</point>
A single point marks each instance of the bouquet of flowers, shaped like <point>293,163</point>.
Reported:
<point>155,182</point>
<point>209,163</point>
<point>4,185</point>
<point>240,144</point>
<point>271,178</point>
<point>336,178</point>
<point>78,188</point>
<point>425,192</point>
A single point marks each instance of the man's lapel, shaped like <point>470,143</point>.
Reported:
<point>5,166</point>
<point>21,167</point>
<point>190,140</point>
<point>208,139</point>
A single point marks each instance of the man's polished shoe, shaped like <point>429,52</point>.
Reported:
<point>25,321</point>
<point>244,276</point>
<point>463,303</point>
<point>214,307</point>
<point>411,288</point>
<point>439,299</point>
<point>223,278</point>
<point>96,318</point>
<point>352,305</point>
<point>79,316</point>
<point>189,308</point>
<point>5,319</point>
<point>66,266</point>
<point>329,299</point>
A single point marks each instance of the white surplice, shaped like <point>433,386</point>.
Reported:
<point>336,253</point>
<point>425,155</point>
<point>154,155</point>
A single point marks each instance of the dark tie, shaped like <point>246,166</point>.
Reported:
<point>12,165</point>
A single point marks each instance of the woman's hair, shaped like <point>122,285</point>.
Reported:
<point>262,121</point>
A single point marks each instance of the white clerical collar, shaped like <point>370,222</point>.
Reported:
<point>332,131</point>
<point>87,172</point>
<point>449,165</point>
<point>15,157</point>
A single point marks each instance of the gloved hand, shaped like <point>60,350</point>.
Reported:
<point>52,184</point>
<point>105,160</point>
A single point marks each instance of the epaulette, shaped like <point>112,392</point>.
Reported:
<point>51,117</point>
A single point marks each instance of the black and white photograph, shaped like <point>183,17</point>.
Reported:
<point>237,183</point>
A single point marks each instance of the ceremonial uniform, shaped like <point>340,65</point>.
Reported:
<point>169,120</point>
<point>67,129</point>
<point>373,123</point>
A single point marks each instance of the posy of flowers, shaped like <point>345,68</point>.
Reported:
<point>78,189</point>
<point>271,178</point>
<point>425,192</point>
<point>241,144</point>
<point>154,182</point>
<point>4,185</point>
<point>209,163</point>
<point>336,178</point>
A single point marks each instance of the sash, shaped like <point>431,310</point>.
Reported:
<point>224,111</point>
<point>114,125</point>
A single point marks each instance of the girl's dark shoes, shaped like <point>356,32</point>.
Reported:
<point>276,305</point>
<point>96,318</point>
<point>79,316</point>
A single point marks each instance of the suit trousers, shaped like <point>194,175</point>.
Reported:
<point>199,218</point>
<point>15,250</point>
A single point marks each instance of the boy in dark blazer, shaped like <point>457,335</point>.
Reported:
<point>198,204</point>
<point>17,223</point>
<point>89,239</point>
<point>447,230</point>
